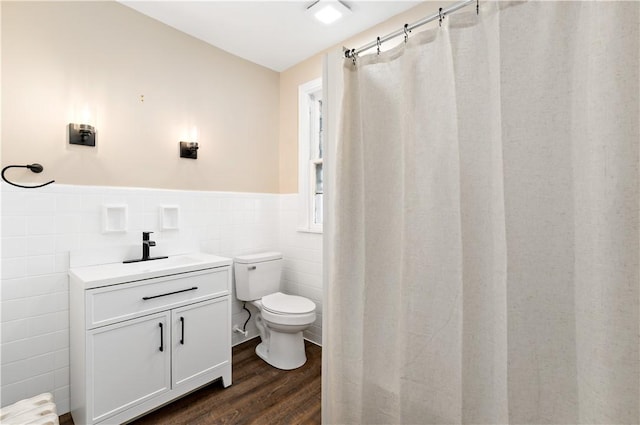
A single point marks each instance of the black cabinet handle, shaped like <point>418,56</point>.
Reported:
<point>161,337</point>
<point>182,323</point>
<point>170,293</point>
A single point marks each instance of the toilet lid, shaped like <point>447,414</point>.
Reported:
<point>287,304</point>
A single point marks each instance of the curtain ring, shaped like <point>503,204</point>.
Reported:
<point>441,17</point>
<point>477,7</point>
<point>406,32</point>
<point>353,56</point>
<point>378,44</point>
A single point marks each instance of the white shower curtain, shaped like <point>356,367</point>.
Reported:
<point>485,263</point>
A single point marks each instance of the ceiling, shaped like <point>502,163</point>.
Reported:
<point>274,34</point>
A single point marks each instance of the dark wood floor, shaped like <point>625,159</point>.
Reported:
<point>260,394</point>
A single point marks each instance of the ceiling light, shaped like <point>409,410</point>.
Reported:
<point>328,11</point>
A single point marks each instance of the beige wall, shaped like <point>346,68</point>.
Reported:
<point>58,57</point>
<point>288,148</point>
<point>311,69</point>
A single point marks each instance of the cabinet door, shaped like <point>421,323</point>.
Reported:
<point>128,363</point>
<point>201,339</point>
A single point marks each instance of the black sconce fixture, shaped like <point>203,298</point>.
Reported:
<point>82,134</point>
<point>189,150</point>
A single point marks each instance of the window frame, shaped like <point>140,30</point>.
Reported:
<point>306,162</point>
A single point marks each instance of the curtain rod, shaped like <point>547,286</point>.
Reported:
<point>407,28</point>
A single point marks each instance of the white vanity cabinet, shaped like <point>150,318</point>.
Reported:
<point>140,342</point>
<point>125,366</point>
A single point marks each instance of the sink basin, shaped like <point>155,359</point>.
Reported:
<point>114,273</point>
<point>164,263</point>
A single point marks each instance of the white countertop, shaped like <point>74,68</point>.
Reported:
<point>115,273</point>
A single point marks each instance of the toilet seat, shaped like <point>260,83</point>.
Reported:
<point>279,303</point>
<point>283,309</point>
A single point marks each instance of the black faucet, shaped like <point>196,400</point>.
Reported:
<point>146,244</point>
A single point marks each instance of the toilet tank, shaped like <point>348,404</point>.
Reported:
<point>257,275</point>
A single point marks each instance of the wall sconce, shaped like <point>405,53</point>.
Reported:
<point>82,134</point>
<point>189,150</point>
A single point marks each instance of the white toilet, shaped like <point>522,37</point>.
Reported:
<point>281,318</point>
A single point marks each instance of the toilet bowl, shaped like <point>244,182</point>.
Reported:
<point>281,321</point>
<point>281,318</point>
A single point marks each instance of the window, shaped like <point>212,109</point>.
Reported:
<point>310,138</point>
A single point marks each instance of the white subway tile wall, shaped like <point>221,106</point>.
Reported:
<point>302,252</point>
<point>41,227</point>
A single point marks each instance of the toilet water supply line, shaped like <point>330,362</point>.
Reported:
<point>243,331</point>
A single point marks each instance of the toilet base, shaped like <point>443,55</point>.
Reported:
<point>284,351</point>
<point>262,352</point>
